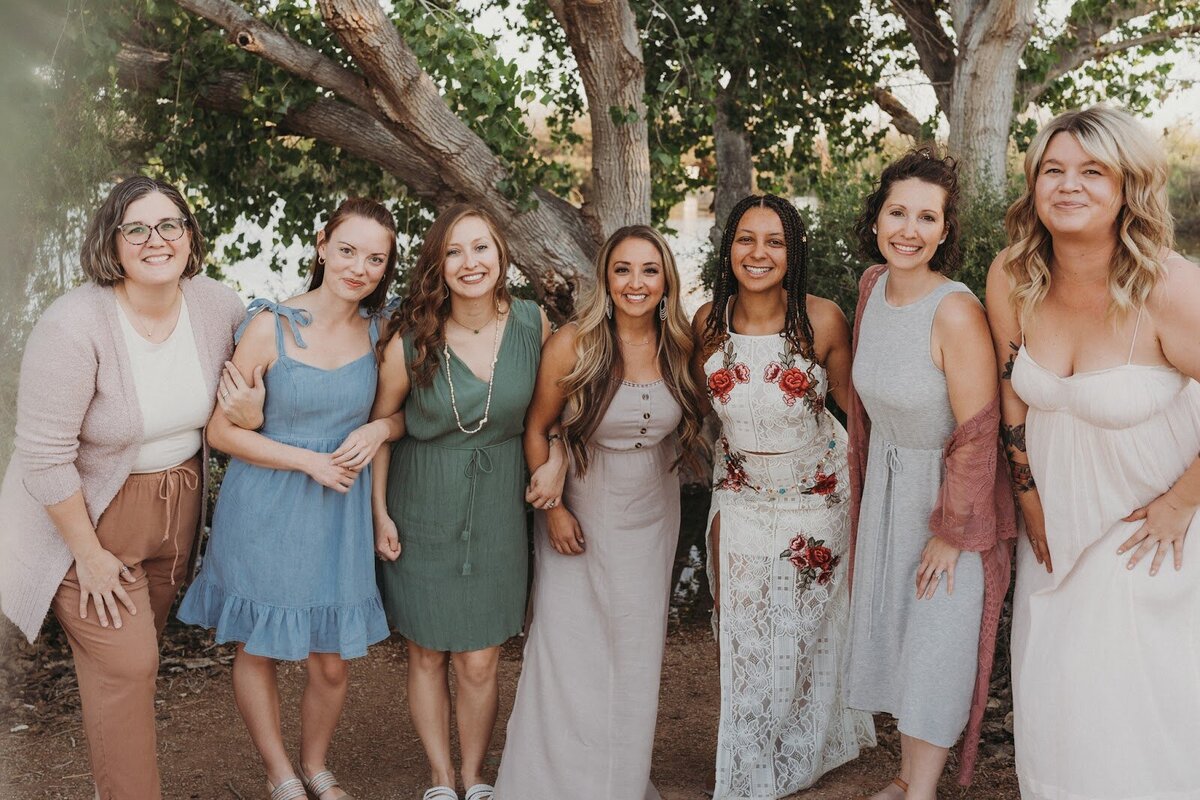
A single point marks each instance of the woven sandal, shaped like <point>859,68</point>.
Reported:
<point>480,791</point>
<point>291,789</point>
<point>440,793</point>
<point>319,784</point>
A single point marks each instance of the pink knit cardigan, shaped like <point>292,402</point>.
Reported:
<point>79,426</point>
<point>975,511</point>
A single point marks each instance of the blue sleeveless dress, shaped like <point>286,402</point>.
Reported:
<point>289,568</point>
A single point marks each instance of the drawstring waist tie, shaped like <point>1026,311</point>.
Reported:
<point>171,484</point>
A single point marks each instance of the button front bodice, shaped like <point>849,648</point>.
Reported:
<point>768,401</point>
<point>640,416</point>
<point>1115,398</point>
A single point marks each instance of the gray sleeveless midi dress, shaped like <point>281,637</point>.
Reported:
<point>587,702</point>
<point>914,659</point>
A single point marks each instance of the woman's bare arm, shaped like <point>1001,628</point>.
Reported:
<point>1006,341</point>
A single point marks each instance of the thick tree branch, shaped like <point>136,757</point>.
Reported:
<point>902,119</point>
<point>254,36</point>
<point>538,246</point>
<point>437,155</point>
<point>1072,59</point>
<point>409,98</point>
<point>603,36</point>
<point>936,51</point>
<point>326,119</point>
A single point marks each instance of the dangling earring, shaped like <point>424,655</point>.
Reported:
<point>608,307</point>
<point>875,230</point>
<point>321,260</point>
<point>662,308</point>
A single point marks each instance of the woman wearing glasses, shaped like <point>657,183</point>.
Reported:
<point>102,500</point>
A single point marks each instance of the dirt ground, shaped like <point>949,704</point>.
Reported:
<point>205,753</point>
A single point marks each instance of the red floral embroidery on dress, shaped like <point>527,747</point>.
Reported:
<point>735,473</point>
<point>731,373</point>
<point>795,383</point>
<point>812,559</point>
<point>824,485</point>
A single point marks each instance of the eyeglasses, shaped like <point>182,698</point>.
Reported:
<point>138,233</point>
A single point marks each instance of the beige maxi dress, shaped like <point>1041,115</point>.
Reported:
<point>587,701</point>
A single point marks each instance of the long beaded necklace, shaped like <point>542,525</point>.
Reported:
<point>491,380</point>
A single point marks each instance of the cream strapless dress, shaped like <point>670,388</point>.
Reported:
<point>1106,661</point>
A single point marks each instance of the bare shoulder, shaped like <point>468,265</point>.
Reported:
<point>960,310</point>
<point>824,312</point>
<point>828,321</point>
<point>393,352</point>
<point>561,343</point>
<point>547,327</point>
<point>558,353</point>
<point>1177,295</point>
<point>259,332</point>
<point>998,277</point>
<point>997,265</point>
<point>1180,284</point>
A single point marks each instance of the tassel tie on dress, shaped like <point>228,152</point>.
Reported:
<point>185,478</point>
<point>480,462</point>
<point>891,457</point>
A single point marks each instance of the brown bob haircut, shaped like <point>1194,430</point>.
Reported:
<point>925,164</point>
<point>98,258</point>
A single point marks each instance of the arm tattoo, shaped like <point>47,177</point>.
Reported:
<point>1022,477</point>
<point>1013,437</point>
<point>1006,374</point>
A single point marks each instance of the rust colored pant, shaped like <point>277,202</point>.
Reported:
<point>150,525</point>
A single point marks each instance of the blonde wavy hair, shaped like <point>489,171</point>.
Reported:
<point>1145,231</point>
<point>599,369</point>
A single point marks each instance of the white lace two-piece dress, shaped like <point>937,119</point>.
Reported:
<point>1106,660</point>
<point>782,491</point>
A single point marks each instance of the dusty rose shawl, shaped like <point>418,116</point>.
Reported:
<point>975,512</point>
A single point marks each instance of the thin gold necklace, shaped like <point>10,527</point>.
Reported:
<point>149,331</point>
<point>476,331</point>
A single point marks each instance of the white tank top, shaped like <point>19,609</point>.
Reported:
<point>171,393</point>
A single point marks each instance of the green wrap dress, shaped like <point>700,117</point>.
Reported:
<point>458,500</point>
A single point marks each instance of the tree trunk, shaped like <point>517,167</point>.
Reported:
<point>991,38</point>
<point>735,162</point>
<point>603,36</point>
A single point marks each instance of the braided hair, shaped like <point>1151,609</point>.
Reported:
<point>797,329</point>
